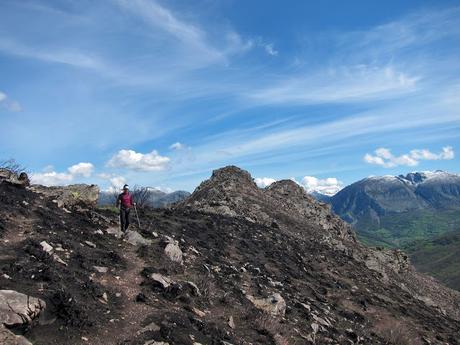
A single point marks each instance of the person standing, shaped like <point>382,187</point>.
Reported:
<point>125,202</point>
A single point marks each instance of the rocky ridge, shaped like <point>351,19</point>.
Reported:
<point>232,264</point>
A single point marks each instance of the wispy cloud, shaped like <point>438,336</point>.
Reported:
<point>385,158</point>
<point>348,84</point>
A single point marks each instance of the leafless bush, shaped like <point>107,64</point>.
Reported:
<point>141,196</point>
<point>397,334</point>
<point>206,285</point>
<point>272,327</point>
<point>12,165</point>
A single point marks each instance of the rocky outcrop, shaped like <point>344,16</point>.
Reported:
<point>9,176</point>
<point>9,338</point>
<point>18,309</point>
<point>70,196</point>
<point>232,192</point>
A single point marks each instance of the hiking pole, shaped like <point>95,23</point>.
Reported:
<point>137,216</point>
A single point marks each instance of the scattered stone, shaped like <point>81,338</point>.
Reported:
<point>136,239</point>
<point>152,327</point>
<point>105,297</point>
<point>101,269</point>
<point>273,304</point>
<point>58,259</point>
<point>46,247</point>
<point>198,312</point>
<point>115,231</point>
<point>154,342</point>
<point>231,323</point>
<point>154,234</point>
<point>161,280</point>
<point>90,244</point>
<point>99,232</point>
<point>19,309</point>
<point>173,252</point>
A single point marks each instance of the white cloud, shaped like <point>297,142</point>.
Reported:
<point>177,146</point>
<point>116,181</point>
<point>270,49</point>
<point>139,161</point>
<point>385,158</point>
<point>9,104</point>
<point>49,177</point>
<point>263,182</point>
<point>328,186</point>
<point>83,169</point>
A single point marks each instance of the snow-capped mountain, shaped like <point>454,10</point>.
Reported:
<point>379,195</point>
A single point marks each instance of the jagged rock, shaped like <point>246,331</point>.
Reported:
<point>71,195</point>
<point>232,192</point>
<point>173,252</point>
<point>136,239</point>
<point>273,304</point>
<point>18,309</point>
<point>9,338</point>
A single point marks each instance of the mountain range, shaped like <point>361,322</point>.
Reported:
<point>156,197</point>
<point>418,212</point>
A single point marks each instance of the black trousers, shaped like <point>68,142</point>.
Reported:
<point>124,218</point>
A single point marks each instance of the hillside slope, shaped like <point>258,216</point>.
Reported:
<point>232,264</point>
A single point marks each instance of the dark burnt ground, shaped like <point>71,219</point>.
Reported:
<point>227,258</point>
<point>336,286</point>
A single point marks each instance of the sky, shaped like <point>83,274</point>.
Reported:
<point>160,93</point>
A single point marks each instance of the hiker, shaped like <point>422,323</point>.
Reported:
<point>125,202</point>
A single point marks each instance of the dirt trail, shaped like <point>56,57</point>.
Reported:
<point>126,287</point>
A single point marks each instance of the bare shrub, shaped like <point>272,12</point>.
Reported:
<point>396,333</point>
<point>141,196</point>
<point>12,165</point>
<point>207,286</point>
<point>272,327</point>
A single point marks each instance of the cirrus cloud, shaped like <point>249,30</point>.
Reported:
<point>383,157</point>
<point>137,161</point>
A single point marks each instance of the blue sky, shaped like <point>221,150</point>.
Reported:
<point>160,93</point>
